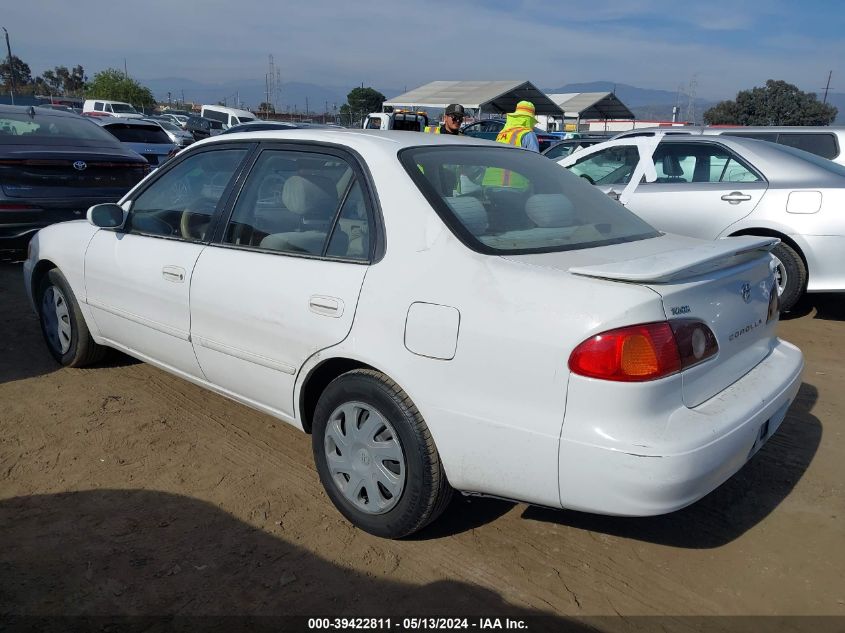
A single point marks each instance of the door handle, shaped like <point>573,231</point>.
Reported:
<point>174,274</point>
<point>326,306</point>
<point>735,197</point>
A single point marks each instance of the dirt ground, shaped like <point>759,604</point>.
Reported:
<point>124,490</point>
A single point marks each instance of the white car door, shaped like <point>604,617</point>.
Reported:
<point>283,281</point>
<point>138,279</point>
<point>701,189</point>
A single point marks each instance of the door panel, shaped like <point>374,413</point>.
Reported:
<point>694,209</point>
<point>137,297</point>
<point>256,317</point>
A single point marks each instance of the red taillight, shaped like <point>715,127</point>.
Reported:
<point>644,352</point>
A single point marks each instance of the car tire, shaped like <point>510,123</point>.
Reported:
<point>366,429</point>
<point>62,324</point>
<point>791,276</point>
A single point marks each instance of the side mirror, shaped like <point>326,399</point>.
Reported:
<point>107,216</point>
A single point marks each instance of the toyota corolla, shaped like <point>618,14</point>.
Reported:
<point>439,314</point>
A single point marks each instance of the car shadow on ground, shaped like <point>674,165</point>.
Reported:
<point>148,553</point>
<point>732,509</point>
<point>827,306</point>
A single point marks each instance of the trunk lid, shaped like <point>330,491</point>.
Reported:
<point>61,174</point>
<point>726,284</point>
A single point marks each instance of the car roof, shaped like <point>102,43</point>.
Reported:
<point>390,140</point>
<point>36,110</point>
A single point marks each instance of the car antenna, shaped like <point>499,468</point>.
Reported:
<point>32,111</point>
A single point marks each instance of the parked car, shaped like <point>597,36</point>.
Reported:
<point>229,117</point>
<point>821,140</point>
<point>145,137</point>
<point>53,166</point>
<point>176,119</point>
<point>717,186</point>
<point>538,342</point>
<point>106,108</point>
<point>490,128</point>
<point>177,136</point>
<point>56,106</point>
<point>266,126</point>
<point>562,149</point>
<point>202,128</point>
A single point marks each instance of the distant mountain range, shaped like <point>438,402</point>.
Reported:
<point>646,104</point>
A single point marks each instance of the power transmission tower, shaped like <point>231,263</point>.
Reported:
<point>691,103</point>
<point>270,81</point>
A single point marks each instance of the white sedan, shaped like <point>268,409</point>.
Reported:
<point>439,314</point>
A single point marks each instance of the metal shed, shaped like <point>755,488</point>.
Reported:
<point>592,105</point>
<point>484,96</point>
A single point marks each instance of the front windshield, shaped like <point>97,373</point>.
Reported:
<point>501,200</point>
<point>123,107</point>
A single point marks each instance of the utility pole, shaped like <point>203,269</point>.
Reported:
<point>169,104</point>
<point>125,72</point>
<point>824,101</point>
<point>12,86</point>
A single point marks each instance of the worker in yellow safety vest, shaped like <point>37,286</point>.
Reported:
<point>519,128</point>
<point>451,122</point>
<point>518,132</point>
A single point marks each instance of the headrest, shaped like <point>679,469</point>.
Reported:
<point>548,210</point>
<point>672,166</point>
<point>470,212</point>
<point>302,196</point>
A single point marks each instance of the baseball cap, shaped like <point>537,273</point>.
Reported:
<point>455,108</point>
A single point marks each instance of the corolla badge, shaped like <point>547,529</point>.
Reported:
<point>745,290</point>
<point>80,165</point>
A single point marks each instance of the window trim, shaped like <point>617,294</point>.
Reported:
<point>361,174</point>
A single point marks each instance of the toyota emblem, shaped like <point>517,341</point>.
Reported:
<point>746,292</point>
<point>80,165</point>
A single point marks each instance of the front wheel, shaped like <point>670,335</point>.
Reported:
<point>791,275</point>
<point>376,457</point>
<point>63,325</point>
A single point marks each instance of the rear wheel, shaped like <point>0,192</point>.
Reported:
<point>63,325</point>
<point>791,275</point>
<point>376,457</point>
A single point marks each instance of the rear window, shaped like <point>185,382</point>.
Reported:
<point>243,119</point>
<point>138,133</point>
<point>46,128</point>
<point>499,200</point>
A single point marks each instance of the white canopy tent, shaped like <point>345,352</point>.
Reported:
<point>489,97</point>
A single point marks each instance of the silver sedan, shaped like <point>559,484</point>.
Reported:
<point>714,187</point>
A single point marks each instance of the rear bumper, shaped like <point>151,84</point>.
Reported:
<point>730,428</point>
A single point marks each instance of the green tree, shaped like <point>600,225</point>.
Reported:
<point>360,102</point>
<point>113,84</point>
<point>778,103</point>
<point>21,73</point>
<point>266,107</point>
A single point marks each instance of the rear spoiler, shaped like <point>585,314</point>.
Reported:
<point>682,263</point>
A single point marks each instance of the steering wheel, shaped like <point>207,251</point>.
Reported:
<point>588,179</point>
<point>193,226</point>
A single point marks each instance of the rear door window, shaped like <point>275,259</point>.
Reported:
<point>700,162</point>
<point>822,144</point>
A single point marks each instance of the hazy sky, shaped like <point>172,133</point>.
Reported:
<point>726,45</point>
